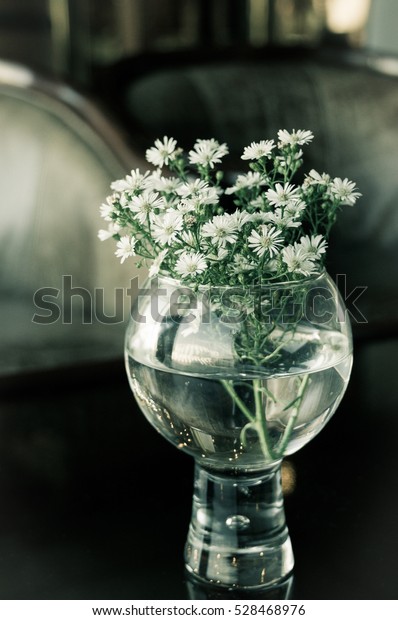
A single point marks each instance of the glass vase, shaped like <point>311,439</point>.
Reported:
<point>239,377</point>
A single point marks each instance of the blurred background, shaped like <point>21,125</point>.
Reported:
<point>75,38</point>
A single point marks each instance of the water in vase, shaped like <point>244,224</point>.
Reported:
<point>241,422</point>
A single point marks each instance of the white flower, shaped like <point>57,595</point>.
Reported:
<point>344,190</point>
<point>242,217</point>
<point>168,185</point>
<point>188,239</point>
<point>314,178</point>
<point>187,206</point>
<point>282,194</point>
<point>166,226</point>
<point>113,229</point>
<point>190,264</point>
<point>258,149</point>
<point>206,153</point>
<point>272,265</point>
<point>125,247</point>
<point>241,264</point>
<point>295,207</point>
<point>281,219</point>
<point>196,203</point>
<point>222,229</point>
<point>221,254</point>
<point>144,204</point>
<point>155,267</point>
<point>107,208</point>
<point>200,191</point>
<point>298,260</point>
<point>267,240</point>
<point>162,153</point>
<point>314,246</point>
<point>301,136</point>
<point>191,230</point>
<point>244,181</point>
<point>258,203</point>
<point>192,188</point>
<point>135,181</point>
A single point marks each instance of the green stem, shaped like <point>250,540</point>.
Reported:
<point>289,426</point>
<point>238,401</point>
<point>243,432</point>
<point>261,423</point>
<point>258,422</point>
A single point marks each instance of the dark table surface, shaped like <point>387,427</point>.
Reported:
<point>94,504</point>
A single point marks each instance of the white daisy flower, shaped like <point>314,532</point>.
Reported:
<point>188,239</point>
<point>124,199</point>
<point>189,205</point>
<point>344,190</point>
<point>281,219</point>
<point>144,204</point>
<point>268,239</point>
<point>221,229</point>
<point>282,194</point>
<point>207,153</point>
<point>295,208</point>
<point>314,178</point>
<point>301,136</point>
<point>241,264</point>
<point>166,226</point>
<point>168,185</point>
<point>108,208</point>
<point>219,255</point>
<point>244,181</point>
<point>125,247</point>
<point>271,265</point>
<point>156,264</point>
<point>190,264</point>
<point>192,188</point>
<point>242,217</point>
<point>298,260</point>
<point>315,245</point>
<point>135,181</point>
<point>113,229</point>
<point>258,203</point>
<point>199,190</point>
<point>162,153</point>
<point>262,217</point>
<point>258,149</point>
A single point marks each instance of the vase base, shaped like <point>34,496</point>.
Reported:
<point>201,590</point>
<point>256,567</point>
<point>238,536</point>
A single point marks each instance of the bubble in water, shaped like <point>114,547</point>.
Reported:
<point>238,522</point>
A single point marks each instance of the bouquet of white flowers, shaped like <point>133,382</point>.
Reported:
<point>194,227</point>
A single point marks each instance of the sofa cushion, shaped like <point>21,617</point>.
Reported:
<point>56,165</point>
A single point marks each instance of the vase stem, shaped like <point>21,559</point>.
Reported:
<point>238,535</point>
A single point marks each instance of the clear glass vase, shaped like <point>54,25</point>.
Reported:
<point>239,377</point>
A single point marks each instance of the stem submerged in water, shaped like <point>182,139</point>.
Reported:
<point>258,421</point>
<point>293,416</point>
<point>261,423</point>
